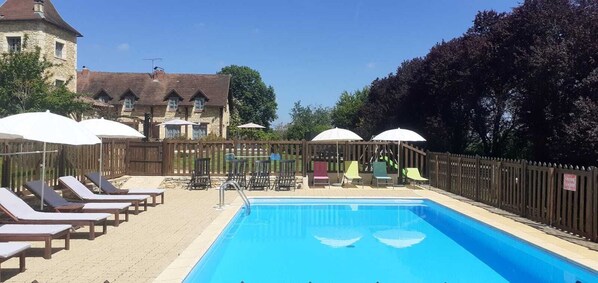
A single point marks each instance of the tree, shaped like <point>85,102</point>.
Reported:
<point>345,112</point>
<point>25,86</point>
<point>307,121</point>
<point>250,99</point>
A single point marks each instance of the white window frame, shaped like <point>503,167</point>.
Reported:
<point>199,104</point>
<point>196,131</point>
<point>172,131</point>
<point>128,101</point>
<point>173,103</point>
<point>8,45</point>
<point>63,51</point>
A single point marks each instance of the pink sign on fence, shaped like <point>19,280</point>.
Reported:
<point>570,182</point>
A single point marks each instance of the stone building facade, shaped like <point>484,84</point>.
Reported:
<point>27,24</point>
<point>196,98</point>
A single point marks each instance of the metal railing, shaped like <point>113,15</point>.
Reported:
<point>235,185</point>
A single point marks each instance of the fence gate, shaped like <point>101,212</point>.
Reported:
<point>145,158</point>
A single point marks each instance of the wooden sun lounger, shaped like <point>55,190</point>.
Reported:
<point>83,193</point>
<point>30,232</point>
<point>110,189</point>
<point>22,213</point>
<point>10,250</point>
<point>59,204</point>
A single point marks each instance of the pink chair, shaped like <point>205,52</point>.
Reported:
<point>321,174</point>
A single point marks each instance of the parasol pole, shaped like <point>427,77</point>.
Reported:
<point>100,172</point>
<point>41,205</point>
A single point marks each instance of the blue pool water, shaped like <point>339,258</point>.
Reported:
<point>373,241</point>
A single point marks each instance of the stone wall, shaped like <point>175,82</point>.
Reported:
<point>43,35</point>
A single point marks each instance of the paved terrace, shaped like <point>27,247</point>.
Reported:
<point>141,249</point>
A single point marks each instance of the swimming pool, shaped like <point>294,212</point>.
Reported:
<point>362,240</point>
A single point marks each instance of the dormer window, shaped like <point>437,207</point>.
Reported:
<point>128,104</point>
<point>199,104</point>
<point>173,103</point>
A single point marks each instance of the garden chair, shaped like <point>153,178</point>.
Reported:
<point>21,213</point>
<point>200,176</point>
<point>321,174</point>
<point>413,174</point>
<point>83,193</point>
<point>10,250</point>
<point>236,172</point>
<point>380,174</point>
<point>352,173</point>
<point>286,176</point>
<point>59,204</point>
<point>110,189</point>
<point>260,177</point>
<point>41,232</point>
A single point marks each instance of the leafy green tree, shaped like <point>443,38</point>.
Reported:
<point>308,121</point>
<point>345,112</point>
<point>25,86</point>
<point>251,100</point>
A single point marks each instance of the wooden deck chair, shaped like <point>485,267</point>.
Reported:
<point>413,174</point>
<point>41,232</point>
<point>321,174</point>
<point>10,250</point>
<point>260,177</point>
<point>379,174</point>
<point>22,213</point>
<point>286,176</point>
<point>110,189</point>
<point>200,176</point>
<point>352,173</point>
<point>59,204</point>
<point>236,172</point>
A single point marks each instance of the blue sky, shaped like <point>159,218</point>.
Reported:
<point>309,50</point>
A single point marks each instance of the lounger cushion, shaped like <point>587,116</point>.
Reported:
<point>23,211</point>
<point>82,192</point>
<point>32,229</point>
<point>146,191</point>
<point>11,248</point>
<point>116,205</point>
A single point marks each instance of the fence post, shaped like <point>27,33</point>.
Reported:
<point>477,178</point>
<point>550,199</point>
<point>449,172</point>
<point>304,158</point>
<point>499,183</point>
<point>523,188</point>
<point>127,158</point>
<point>61,164</point>
<point>5,182</point>
<point>594,203</point>
<point>437,167</point>
<point>460,175</point>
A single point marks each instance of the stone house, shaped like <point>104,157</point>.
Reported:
<point>197,98</point>
<point>26,24</point>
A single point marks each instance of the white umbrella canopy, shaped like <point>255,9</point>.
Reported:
<point>399,135</point>
<point>251,126</point>
<point>47,128</point>
<point>110,129</point>
<point>177,122</point>
<point>337,134</point>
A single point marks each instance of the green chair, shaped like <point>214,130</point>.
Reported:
<point>352,173</point>
<point>413,175</point>
<point>380,174</point>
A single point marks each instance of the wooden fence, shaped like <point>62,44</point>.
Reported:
<point>177,158</point>
<point>560,196</point>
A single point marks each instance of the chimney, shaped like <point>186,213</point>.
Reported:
<point>158,74</point>
<point>38,6</point>
<point>84,72</point>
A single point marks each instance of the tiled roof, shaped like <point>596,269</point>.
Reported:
<point>152,91</point>
<point>22,10</point>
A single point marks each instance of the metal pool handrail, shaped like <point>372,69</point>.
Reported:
<point>239,190</point>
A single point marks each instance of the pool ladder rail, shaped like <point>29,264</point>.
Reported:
<point>239,190</point>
